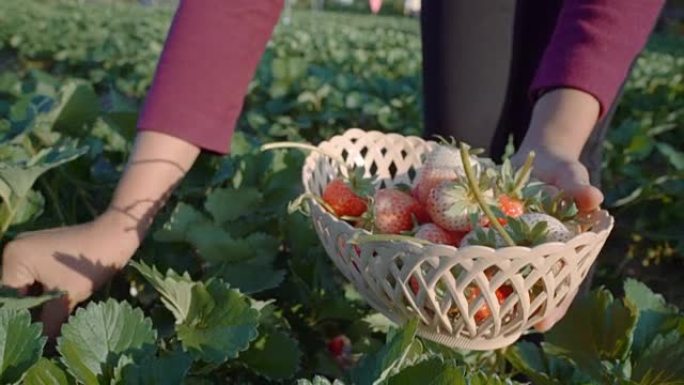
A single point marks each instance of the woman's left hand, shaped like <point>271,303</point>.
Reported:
<point>562,121</point>
<point>567,174</point>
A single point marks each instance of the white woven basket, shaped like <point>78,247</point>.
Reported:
<point>543,278</point>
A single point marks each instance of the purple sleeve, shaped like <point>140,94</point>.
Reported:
<point>594,44</point>
<point>209,58</point>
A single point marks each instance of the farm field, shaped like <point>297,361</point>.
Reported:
<point>245,293</point>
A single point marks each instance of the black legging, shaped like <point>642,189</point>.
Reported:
<point>479,60</point>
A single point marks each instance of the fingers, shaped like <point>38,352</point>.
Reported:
<point>574,180</point>
<point>15,273</point>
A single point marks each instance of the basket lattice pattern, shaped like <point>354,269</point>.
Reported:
<point>450,286</point>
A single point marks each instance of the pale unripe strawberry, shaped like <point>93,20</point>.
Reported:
<point>395,211</point>
<point>443,163</point>
<point>529,229</point>
<point>451,205</point>
<point>556,231</point>
<point>435,234</point>
<point>484,236</point>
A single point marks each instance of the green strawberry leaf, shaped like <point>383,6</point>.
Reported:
<point>655,317</point>
<point>644,298</point>
<point>29,208</point>
<point>78,106</point>
<point>274,355</point>
<point>419,373</point>
<point>220,323</point>
<point>175,289</point>
<point>16,179</point>
<point>214,323</point>
<point>182,220</point>
<point>46,372</point>
<point>434,371</point>
<point>596,328</point>
<point>661,362</point>
<point>318,380</point>
<point>217,246</point>
<point>376,367</point>
<point>12,299</point>
<point>246,264</point>
<point>168,370</point>
<point>226,204</point>
<point>251,276</point>
<point>21,344</point>
<point>543,369</point>
<point>96,336</point>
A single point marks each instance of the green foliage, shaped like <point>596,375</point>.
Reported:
<point>636,340</point>
<point>97,337</point>
<point>21,344</point>
<point>213,322</point>
<point>12,299</point>
<point>46,372</point>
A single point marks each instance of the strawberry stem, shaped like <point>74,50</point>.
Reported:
<point>304,146</point>
<point>470,177</point>
<point>524,173</point>
<point>359,239</point>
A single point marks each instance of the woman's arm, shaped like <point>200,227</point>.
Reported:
<point>594,45</point>
<point>584,65</point>
<point>209,58</point>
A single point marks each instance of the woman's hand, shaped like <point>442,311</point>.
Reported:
<point>561,123</point>
<point>569,175</point>
<point>79,259</point>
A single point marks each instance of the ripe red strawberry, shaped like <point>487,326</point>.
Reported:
<point>413,284</point>
<point>435,234</point>
<point>451,206</point>
<point>339,345</point>
<point>503,292</point>
<point>395,211</point>
<point>340,196</point>
<point>485,312</point>
<point>510,206</point>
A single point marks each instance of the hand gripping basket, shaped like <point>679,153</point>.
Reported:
<point>542,278</point>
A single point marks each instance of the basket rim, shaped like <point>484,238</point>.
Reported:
<point>313,156</point>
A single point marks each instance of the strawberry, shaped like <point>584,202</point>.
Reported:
<point>451,206</point>
<point>413,284</point>
<point>441,164</point>
<point>348,197</point>
<point>485,312</point>
<point>533,229</point>
<point>509,189</point>
<point>510,207</point>
<point>395,211</point>
<point>343,200</point>
<point>339,345</point>
<point>435,234</point>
